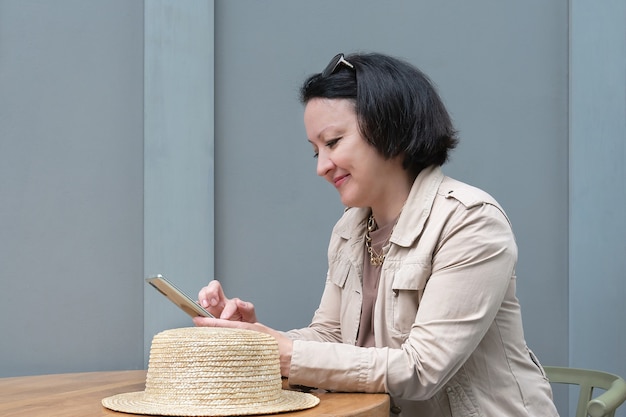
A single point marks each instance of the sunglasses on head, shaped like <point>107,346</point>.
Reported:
<point>334,64</point>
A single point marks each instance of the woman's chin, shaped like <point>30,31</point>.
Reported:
<point>350,202</point>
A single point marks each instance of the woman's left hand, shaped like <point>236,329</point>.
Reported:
<point>285,345</point>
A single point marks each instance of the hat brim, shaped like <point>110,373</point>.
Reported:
<point>135,403</point>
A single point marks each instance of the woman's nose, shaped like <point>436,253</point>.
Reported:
<point>324,164</point>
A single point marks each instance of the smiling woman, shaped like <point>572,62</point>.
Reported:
<point>363,177</point>
<point>420,297</point>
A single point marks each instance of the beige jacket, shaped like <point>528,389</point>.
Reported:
<point>448,327</point>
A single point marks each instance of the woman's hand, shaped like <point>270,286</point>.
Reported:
<point>213,299</point>
<point>238,314</point>
<point>285,345</point>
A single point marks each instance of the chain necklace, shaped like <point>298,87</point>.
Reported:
<point>375,258</point>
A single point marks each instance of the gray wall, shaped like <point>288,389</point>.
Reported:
<point>537,90</point>
<point>178,191</point>
<point>501,69</point>
<point>597,174</point>
<point>71,186</point>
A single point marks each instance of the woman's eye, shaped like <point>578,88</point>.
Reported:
<point>331,143</point>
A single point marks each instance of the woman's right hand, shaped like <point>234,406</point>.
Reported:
<point>213,299</point>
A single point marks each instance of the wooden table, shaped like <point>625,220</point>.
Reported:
<point>79,395</point>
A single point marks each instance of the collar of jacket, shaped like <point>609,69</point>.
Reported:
<point>413,217</point>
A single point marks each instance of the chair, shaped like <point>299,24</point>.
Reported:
<point>603,405</point>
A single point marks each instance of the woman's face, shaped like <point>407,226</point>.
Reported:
<point>356,169</point>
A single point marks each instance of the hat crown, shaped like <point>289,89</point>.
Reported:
<point>220,366</point>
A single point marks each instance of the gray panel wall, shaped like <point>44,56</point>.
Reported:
<point>178,192</point>
<point>597,277</point>
<point>71,184</point>
<point>501,67</point>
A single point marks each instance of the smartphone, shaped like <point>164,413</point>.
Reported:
<point>182,300</point>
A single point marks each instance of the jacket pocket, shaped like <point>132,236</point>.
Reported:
<point>461,398</point>
<point>338,273</point>
<point>537,363</point>
<point>408,286</point>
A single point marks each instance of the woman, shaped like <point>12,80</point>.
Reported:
<point>420,298</point>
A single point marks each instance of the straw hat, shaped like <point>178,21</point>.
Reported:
<point>205,371</point>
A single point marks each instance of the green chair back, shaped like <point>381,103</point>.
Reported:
<point>603,405</point>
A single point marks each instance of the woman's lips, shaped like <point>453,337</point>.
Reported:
<point>340,180</point>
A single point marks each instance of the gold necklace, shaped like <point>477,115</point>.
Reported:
<point>375,258</point>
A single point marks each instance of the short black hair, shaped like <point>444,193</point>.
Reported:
<point>398,109</point>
